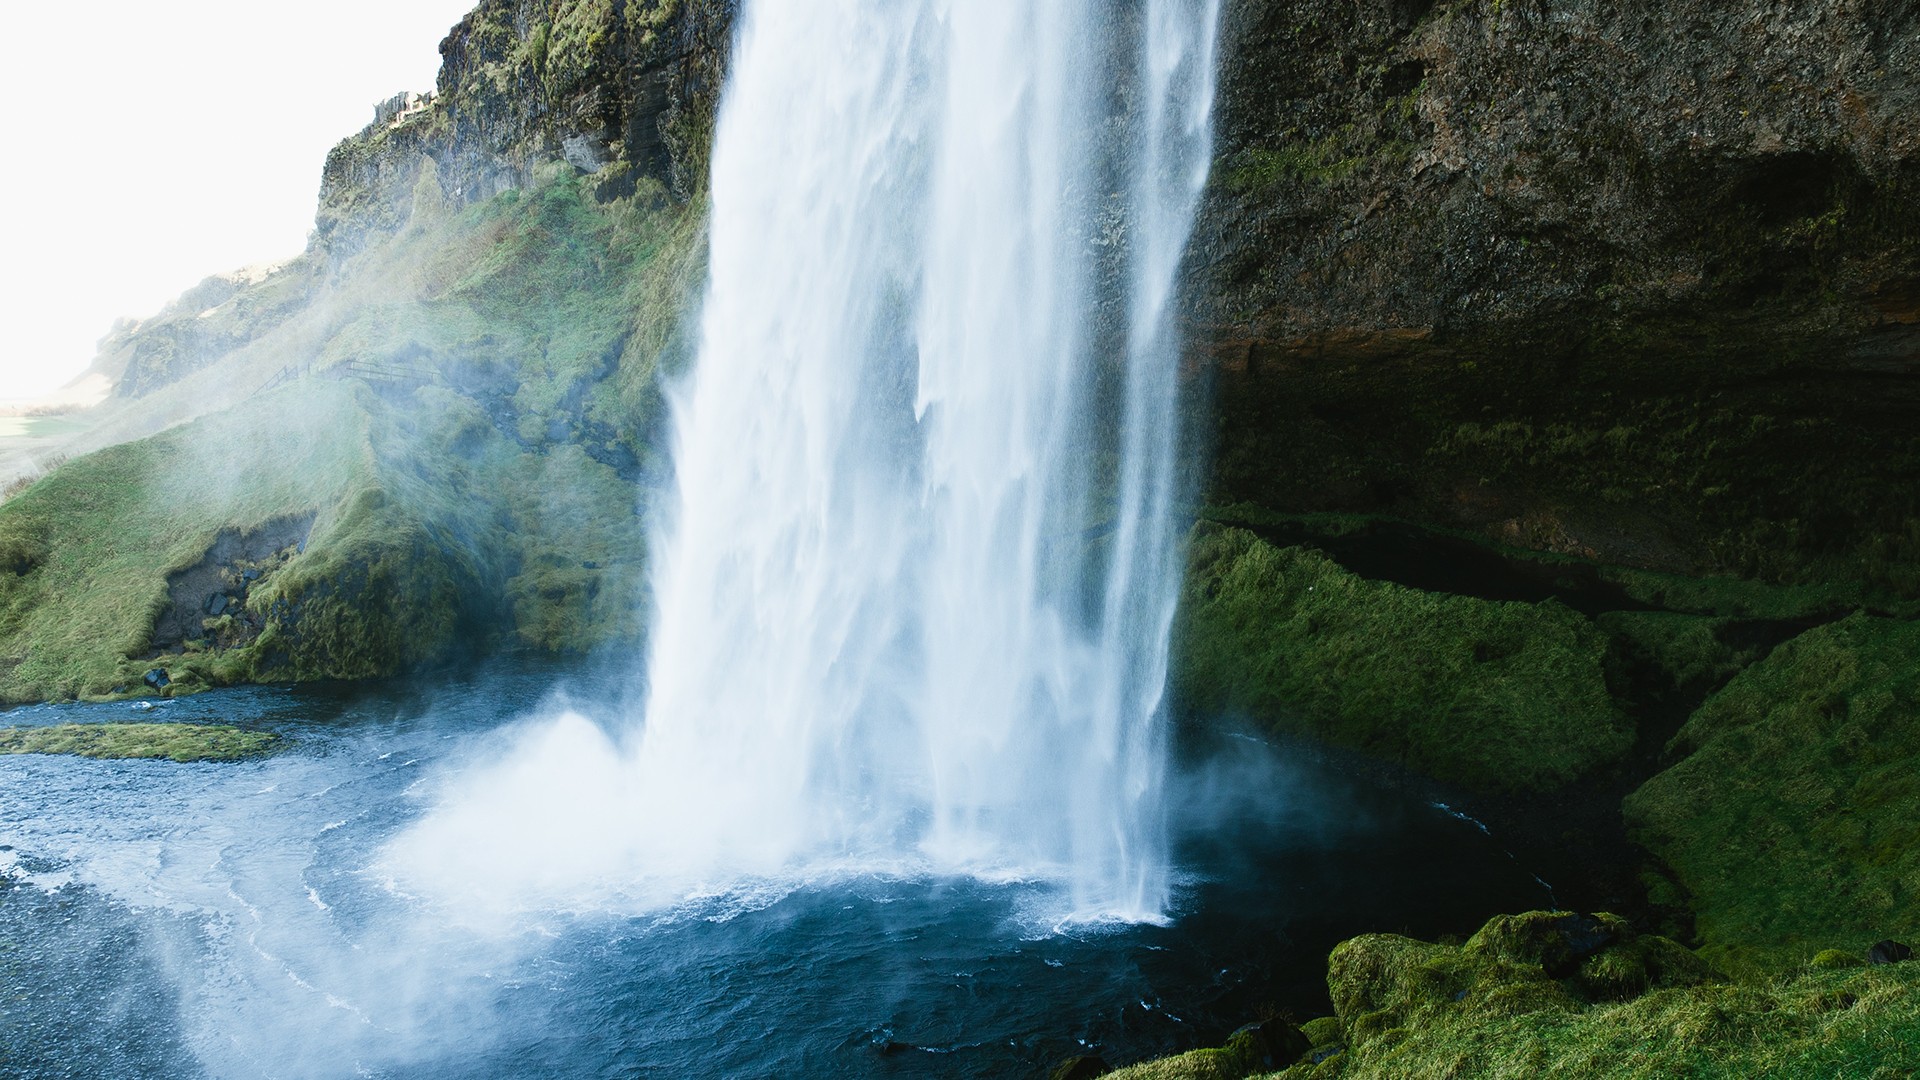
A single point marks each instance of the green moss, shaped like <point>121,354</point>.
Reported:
<point>111,525</point>
<point>576,44</point>
<point>1323,1031</point>
<point>1793,819</point>
<point>1193,1065</point>
<point>1256,1048</point>
<point>1733,597</point>
<point>1588,998</point>
<point>1542,995</point>
<point>1320,162</point>
<point>172,742</point>
<point>380,590</point>
<point>1497,696</point>
<point>1835,960</point>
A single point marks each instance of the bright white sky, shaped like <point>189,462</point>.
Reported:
<point>152,144</point>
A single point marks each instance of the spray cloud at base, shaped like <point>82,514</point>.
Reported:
<point>914,584</point>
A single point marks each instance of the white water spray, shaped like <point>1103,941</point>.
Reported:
<point>915,585</point>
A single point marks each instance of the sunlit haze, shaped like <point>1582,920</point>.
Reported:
<point>155,144</point>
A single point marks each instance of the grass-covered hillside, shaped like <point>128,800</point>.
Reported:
<point>433,447</point>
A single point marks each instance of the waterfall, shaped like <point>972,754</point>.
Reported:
<point>917,584</point>
<point>914,584</point>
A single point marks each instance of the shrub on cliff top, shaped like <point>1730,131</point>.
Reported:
<point>1497,696</point>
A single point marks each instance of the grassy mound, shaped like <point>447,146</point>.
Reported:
<point>1794,818</point>
<point>172,742</point>
<point>1497,696</point>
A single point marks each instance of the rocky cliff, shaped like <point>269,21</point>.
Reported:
<point>621,94</point>
<point>621,90</point>
<point>1637,281</point>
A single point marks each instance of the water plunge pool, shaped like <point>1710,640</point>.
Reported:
<point>230,920</point>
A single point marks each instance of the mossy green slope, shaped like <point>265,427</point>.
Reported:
<point>1497,696</point>
<point>171,742</point>
<point>92,544</point>
<point>1794,818</point>
<point>465,415</point>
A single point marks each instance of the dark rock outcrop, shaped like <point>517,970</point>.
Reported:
<point>208,600</point>
<point>1889,952</point>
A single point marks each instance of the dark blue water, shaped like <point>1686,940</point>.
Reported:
<point>229,921</point>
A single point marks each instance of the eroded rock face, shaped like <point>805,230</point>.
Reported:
<point>1672,248</point>
<point>207,602</point>
<point>1473,167</point>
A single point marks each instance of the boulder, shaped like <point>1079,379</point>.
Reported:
<point>1268,1045</point>
<point>1888,952</point>
<point>1085,1067</point>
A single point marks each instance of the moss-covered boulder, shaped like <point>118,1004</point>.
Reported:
<point>1496,696</point>
<point>1793,819</point>
<point>1552,994</point>
<point>1253,1050</point>
<point>1558,995</point>
<point>1383,984</point>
